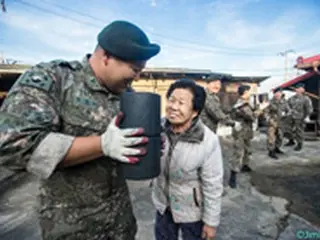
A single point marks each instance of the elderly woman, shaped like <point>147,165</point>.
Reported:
<point>187,194</point>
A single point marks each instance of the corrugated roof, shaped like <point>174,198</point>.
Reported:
<point>20,68</point>
<point>308,63</point>
<point>177,70</point>
<point>295,80</point>
<point>257,79</point>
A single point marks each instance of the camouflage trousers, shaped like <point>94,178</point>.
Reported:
<point>241,153</point>
<point>112,219</point>
<point>275,136</point>
<point>297,130</point>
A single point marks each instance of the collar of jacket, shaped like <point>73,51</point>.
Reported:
<point>194,134</point>
<point>91,80</point>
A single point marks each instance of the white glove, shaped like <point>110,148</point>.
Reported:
<point>307,119</point>
<point>237,126</point>
<point>263,105</point>
<point>117,143</point>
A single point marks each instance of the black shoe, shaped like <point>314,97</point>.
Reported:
<point>246,168</point>
<point>233,179</point>
<point>290,143</point>
<point>272,154</point>
<point>278,150</point>
<point>298,147</point>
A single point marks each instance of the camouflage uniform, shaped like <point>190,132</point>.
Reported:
<point>212,113</point>
<point>285,110</point>
<point>275,112</point>
<point>301,107</point>
<point>47,107</point>
<point>242,112</point>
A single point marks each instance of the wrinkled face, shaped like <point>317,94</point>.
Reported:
<point>214,86</point>
<point>117,75</point>
<point>179,108</point>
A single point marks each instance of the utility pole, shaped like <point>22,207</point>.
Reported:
<point>3,6</point>
<point>285,55</point>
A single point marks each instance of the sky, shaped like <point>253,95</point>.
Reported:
<point>238,37</point>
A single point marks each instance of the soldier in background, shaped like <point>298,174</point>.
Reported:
<point>244,115</point>
<point>61,147</point>
<point>300,109</point>
<point>276,110</point>
<point>212,113</point>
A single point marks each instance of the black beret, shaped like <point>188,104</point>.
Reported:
<point>278,90</point>
<point>300,85</point>
<point>126,41</point>
<point>216,77</point>
<point>243,88</point>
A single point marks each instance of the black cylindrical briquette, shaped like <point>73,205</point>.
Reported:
<point>141,110</point>
<point>149,165</point>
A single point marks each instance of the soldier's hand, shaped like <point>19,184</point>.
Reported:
<point>119,144</point>
<point>263,105</point>
<point>307,119</point>
<point>230,123</point>
<point>237,126</point>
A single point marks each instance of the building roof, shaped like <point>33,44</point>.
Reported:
<point>177,70</point>
<point>296,80</point>
<point>308,63</point>
<point>157,73</point>
<point>257,79</point>
<point>199,74</point>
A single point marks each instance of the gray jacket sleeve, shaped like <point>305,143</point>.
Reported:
<point>212,179</point>
<point>29,122</point>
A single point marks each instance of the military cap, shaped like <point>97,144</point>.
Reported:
<point>278,90</point>
<point>216,77</point>
<point>300,85</point>
<point>242,89</point>
<point>126,41</point>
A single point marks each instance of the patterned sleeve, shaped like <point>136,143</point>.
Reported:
<point>29,122</point>
<point>213,109</point>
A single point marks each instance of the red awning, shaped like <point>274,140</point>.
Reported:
<point>309,59</point>
<point>295,80</point>
<point>308,63</point>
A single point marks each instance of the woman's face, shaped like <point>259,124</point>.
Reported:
<point>179,108</point>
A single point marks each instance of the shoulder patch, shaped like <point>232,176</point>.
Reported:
<point>37,79</point>
<point>69,64</point>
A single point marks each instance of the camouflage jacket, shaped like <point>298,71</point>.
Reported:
<point>212,112</point>
<point>244,113</point>
<point>48,106</point>
<point>301,106</point>
<point>277,109</point>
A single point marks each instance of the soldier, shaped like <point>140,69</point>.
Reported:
<point>61,148</point>
<point>301,108</point>
<point>274,112</point>
<point>242,133</point>
<point>212,113</point>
